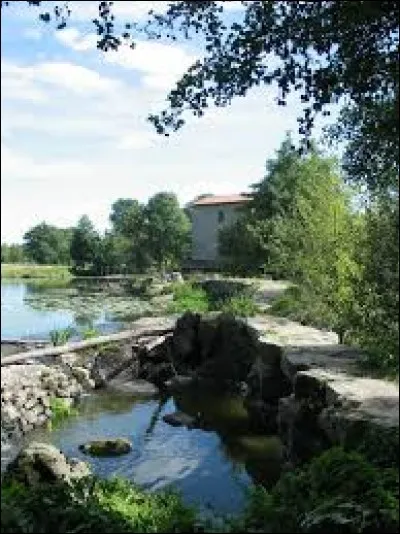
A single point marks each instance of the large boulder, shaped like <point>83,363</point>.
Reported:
<point>111,361</point>
<point>43,463</point>
<point>184,339</point>
<point>232,352</point>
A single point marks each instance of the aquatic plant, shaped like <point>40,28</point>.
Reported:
<point>61,409</point>
<point>61,336</point>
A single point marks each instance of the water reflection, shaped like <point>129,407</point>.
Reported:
<point>211,466</point>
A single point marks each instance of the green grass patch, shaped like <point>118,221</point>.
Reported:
<point>241,306</point>
<point>27,271</point>
<point>61,409</point>
<point>92,505</point>
<point>235,299</point>
<point>338,491</point>
<point>187,297</point>
<point>61,336</point>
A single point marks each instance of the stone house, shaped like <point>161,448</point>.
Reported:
<point>209,214</point>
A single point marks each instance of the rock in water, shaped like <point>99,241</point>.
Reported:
<point>42,463</point>
<point>107,447</point>
<point>179,419</point>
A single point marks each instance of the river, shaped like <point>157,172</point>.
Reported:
<point>212,467</point>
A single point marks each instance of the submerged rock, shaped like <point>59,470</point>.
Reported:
<point>42,462</point>
<point>135,387</point>
<point>107,447</point>
<point>179,419</point>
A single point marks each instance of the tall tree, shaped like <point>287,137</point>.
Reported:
<point>47,244</point>
<point>12,253</point>
<point>85,242</point>
<point>168,230</point>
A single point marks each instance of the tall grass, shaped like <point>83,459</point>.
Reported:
<point>16,270</point>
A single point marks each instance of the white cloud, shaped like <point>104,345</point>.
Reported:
<point>74,39</point>
<point>31,81</point>
<point>161,65</point>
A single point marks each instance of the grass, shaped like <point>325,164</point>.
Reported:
<point>27,271</point>
<point>338,491</point>
<point>61,409</point>
<point>190,297</point>
<point>61,336</point>
<point>92,505</point>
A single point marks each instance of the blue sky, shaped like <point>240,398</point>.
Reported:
<point>74,135</point>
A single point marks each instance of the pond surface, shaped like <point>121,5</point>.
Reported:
<point>212,468</point>
<point>32,309</point>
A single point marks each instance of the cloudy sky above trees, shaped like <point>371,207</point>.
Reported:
<point>74,134</point>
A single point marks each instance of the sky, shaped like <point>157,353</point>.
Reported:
<point>74,129</point>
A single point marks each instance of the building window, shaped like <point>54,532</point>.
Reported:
<point>221,216</point>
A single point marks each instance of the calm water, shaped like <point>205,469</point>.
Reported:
<point>212,468</point>
<point>28,311</point>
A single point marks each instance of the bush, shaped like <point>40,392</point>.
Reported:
<point>188,298</point>
<point>242,306</point>
<point>90,332</point>
<point>338,491</point>
<point>92,505</point>
<point>62,336</point>
<point>61,409</point>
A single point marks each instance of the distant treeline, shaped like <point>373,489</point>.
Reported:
<point>156,234</point>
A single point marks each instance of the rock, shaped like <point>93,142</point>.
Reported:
<point>69,358</point>
<point>263,416</point>
<point>161,373</point>
<point>179,382</point>
<point>42,463</point>
<point>335,358</point>
<point>179,419</point>
<point>232,353</point>
<point>82,375</point>
<point>176,276</point>
<point>107,447</point>
<point>184,336</point>
<point>141,388</point>
<point>110,362</point>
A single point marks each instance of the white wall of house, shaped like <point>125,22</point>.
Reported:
<point>207,220</point>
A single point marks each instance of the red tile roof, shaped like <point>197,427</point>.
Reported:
<point>222,199</point>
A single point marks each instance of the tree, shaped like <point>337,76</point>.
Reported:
<point>47,244</point>
<point>127,217</point>
<point>12,253</point>
<point>329,52</point>
<point>168,230</point>
<point>84,244</point>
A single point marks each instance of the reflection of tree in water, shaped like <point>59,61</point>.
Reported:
<point>226,415</point>
<point>156,415</point>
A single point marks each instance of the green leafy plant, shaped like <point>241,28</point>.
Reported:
<point>61,409</point>
<point>92,505</point>
<point>338,491</point>
<point>62,336</point>
<point>188,298</point>
<point>241,306</point>
<point>90,332</point>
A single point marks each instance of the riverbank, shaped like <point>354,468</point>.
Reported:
<point>27,271</point>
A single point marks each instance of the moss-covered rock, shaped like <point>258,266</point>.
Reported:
<point>107,447</point>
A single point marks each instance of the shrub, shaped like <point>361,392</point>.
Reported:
<point>62,336</point>
<point>61,409</point>
<point>90,332</point>
<point>188,298</point>
<point>242,306</point>
<point>92,505</point>
<point>338,491</point>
